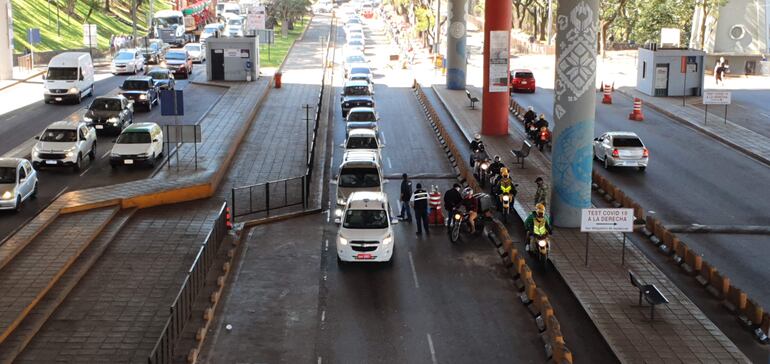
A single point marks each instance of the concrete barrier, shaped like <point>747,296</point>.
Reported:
<point>649,224</point>
<point>692,262</point>
<point>530,291</point>
<point>561,354</point>
<point>735,300</point>
<point>765,326</point>
<point>679,252</point>
<point>719,286</point>
<point>535,307</point>
<point>753,311</point>
<point>705,273</point>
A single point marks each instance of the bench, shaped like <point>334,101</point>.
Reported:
<point>472,99</point>
<point>651,294</point>
<point>522,153</point>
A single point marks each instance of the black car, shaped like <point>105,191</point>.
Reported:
<point>141,90</point>
<point>153,51</point>
<point>356,94</point>
<point>163,78</point>
<point>110,113</point>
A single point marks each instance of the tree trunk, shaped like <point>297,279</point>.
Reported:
<point>703,26</point>
<point>603,38</point>
<point>285,28</point>
<point>543,25</point>
<point>134,8</point>
<point>107,6</point>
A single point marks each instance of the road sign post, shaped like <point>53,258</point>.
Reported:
<point>712,97</point>
<point>595,220</point>
<point>90,37</point>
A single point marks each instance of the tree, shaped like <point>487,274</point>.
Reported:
<point>288,10</point>
<point>707,7</point>
<point>610,10</point>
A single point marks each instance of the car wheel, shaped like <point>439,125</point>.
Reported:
<point>149,106</point>
<point>78,163</point>
<point>642,168</point>
<point>153,160</point>
<point>19,204</point>
<point>606,163</point>
<point>79,98</point>
<point>92,153</point>
<point>34,191</point>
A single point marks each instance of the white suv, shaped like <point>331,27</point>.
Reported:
<point>366,233</point>
<point>360,171</point>
<point>64,144</point>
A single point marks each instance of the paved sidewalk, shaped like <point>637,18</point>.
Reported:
<point>747,141</point>
<point>680,332</point>
<point>20,76</point>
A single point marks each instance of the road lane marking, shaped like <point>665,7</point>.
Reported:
<point>389,165</point>
<point>383,139</point>
<point>432,350</point>
<point>86,171</point>
<point>106,154</point>
<point>414,272</point>
<point>319,360</point>
<point>327,245</point>
<point>323,316</point>
<point>328,216</point>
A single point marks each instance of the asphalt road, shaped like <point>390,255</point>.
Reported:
<point>438,302</point>
<point>24,123</point>
<point>691,179</point>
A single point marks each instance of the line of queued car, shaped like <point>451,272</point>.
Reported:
<point>67,144</point>
<point>365,233</point>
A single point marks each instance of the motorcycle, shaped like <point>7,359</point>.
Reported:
<point>459,222</point>
<point>542,247</point>
<point>544,138</point>
<point>506,200</point>
<point>483,172</point>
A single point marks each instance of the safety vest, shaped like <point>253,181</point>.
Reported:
<point>506,189</point>
<point>540,227</point>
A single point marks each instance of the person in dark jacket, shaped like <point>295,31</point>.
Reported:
<point>419,201</point>
<point>452,198</point>
<point>406,194</point>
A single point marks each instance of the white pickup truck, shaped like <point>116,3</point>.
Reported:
<point>64,144</point>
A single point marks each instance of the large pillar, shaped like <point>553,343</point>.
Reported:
<point>6,40</point>
<point>455,45</point>
<point>574,109</point>
<point>497,38</point>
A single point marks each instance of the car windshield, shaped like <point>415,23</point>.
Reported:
<point>124,56</point>
<point>356,59</point>
<point>627,142</point>
<point>169,21</point>
<point>135,85</point>
<point>357,90</point>
<point>362,143</point>
<point>176,56</point>
<point>59,136</point>
<point>366,219</point>
<point>7,175</point>
<point>62,74</point>
<point>193,48</point>
<point>106,104</point>
<point>209,30</point>
<point>359,177</point>
<point>134,138</point>
<point>158,75</point>
<point>234,22</point>
<point>359,78</point>
<point>360,70</point>
<point>354,42</point>
<point>361,116</point>
<point>524,75</point>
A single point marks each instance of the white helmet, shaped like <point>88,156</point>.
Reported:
<point>467,192</point>
<point>477,136</point>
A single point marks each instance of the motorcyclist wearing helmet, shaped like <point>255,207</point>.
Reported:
<point>537,126</point>
<point>494,168</point>
<point>476,146</point>
<point>538,223</point>
<point>471,207</point>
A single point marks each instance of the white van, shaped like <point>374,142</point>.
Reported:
<point>360,171</point>
<point>366,231</point>
<point>70,77</point>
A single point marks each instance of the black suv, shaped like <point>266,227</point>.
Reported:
<point>162,77</point>
<point>141,90</point>
<point>110,113</point>
<point>356,94</point>
<point>153,51</point>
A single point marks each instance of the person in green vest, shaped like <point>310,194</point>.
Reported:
<point>538,224</point>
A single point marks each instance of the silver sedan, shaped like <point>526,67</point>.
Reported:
<point>621,149</point>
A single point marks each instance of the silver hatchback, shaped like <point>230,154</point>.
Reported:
<point>621,149</point>
<point>18,182</point>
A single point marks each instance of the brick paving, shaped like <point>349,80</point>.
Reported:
<point>117,311</point>
<point>680,332</point>
<point>31,274</point>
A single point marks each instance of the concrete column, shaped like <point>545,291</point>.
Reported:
<point>573,110</point>
<point>6,40</point>
<point>455,45</point>
<point>497,39</point>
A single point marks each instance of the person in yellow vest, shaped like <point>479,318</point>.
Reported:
<point>538,223</point>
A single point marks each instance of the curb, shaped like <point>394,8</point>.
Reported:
<point>22,80</point>
<point>698,128</point>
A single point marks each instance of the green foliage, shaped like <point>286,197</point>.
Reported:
<point>280,48</point>
<point>425,18</point>
<point>29,14</point>
<point>651,15</point>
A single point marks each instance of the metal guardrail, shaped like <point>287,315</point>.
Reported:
<point>272,195</point>
<point>180,310</point>
<point>263,197</point>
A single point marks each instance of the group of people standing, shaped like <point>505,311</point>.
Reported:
<point>118,42</point>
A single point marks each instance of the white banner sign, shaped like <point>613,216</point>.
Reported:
<point>255,19</point>
<point>499,55</point>
<point>232,53</point>
<point>607,220</point>
<point>716,97</point>
<point>89,35</point>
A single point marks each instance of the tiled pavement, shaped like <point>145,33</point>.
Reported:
<point>31,274</point>
<point>145,263</point>
<point>680,331</point>
<point>743,139</point>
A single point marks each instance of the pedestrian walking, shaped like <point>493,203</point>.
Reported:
<point>541,195</point>
<point>404,198</point>
<point>718,71</point>
<point>419,202</point>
